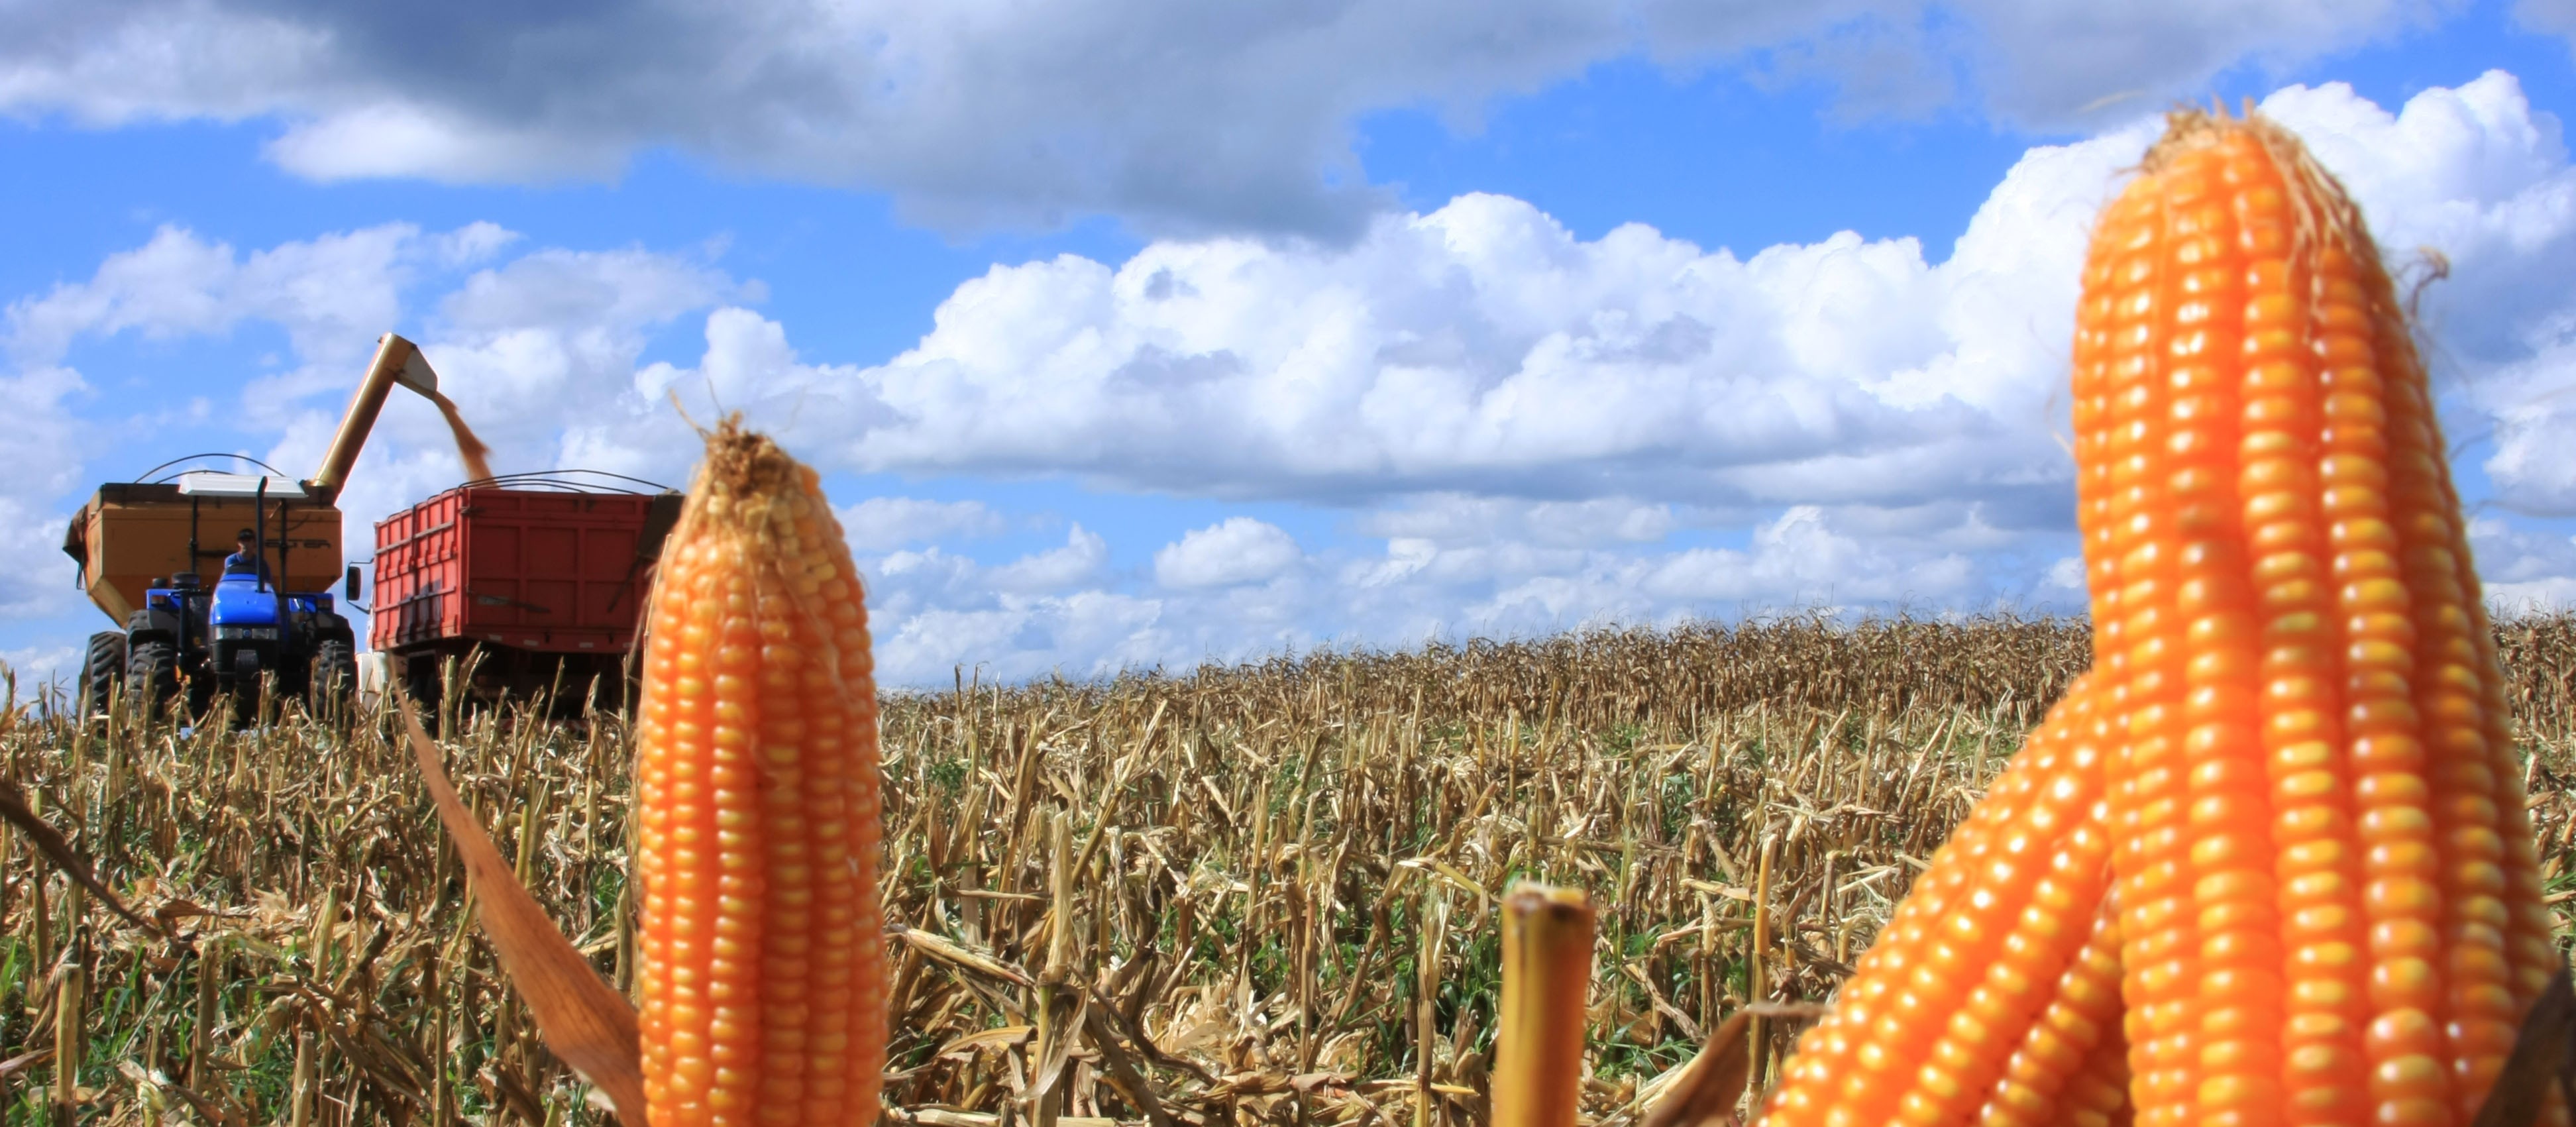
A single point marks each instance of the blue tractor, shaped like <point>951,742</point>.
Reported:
<point>269,616</point>
<point>226,638</point>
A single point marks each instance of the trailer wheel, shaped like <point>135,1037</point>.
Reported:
<point>422,682</point>
<point>101,671</point>
<point>152,675</point>
<point>334,675</point>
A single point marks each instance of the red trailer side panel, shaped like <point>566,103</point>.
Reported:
<point>530,569</point>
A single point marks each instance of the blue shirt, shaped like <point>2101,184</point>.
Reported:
<point>244,563</point>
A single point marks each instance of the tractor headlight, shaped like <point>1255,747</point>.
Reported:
<point>245,633</point>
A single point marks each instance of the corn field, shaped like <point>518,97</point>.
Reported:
<point>1268,892</point>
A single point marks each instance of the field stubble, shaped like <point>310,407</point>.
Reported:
<point>1277,882</point>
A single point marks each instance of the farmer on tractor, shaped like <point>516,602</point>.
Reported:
<point>246,561</point>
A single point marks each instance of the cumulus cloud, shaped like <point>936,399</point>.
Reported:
<point>2533,406</point>
<point>42,667</point>
<point>45,446</point>
<point>1243,590</point>
<point>2525,570</point>
<point>1081,559</point>
<point>879,523</point>
<point>1455,518</point>
<point>1484,350</point>
<point>1478,349</point>
<point>1046,612</point>
<point>1239,550</point>
<point>2556,17</point>
<point>1173,115</point>
<point>331,294</point>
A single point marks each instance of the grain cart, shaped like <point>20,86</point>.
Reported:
<point>144,549</point>
<point>535,583</point>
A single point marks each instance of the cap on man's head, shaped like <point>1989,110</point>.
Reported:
<point>245,535</point>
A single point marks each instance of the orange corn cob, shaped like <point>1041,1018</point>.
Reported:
<point>2076,1034</point>
<point>2328,909</point>
<point>2098,1094</point>
<point>2327,905</point>
<point>762,954</point>
<point>1928,1027</point>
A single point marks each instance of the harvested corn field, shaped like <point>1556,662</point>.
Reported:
<point>1280,879</point>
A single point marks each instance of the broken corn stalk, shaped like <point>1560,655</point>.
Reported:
<point>1547,976</point>
<point>762,954</point>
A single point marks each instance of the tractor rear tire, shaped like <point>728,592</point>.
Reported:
<point>102,671</point>
<point>334,676</point>
<point>152,675</point>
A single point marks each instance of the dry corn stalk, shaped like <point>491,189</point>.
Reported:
<point>1547,974</point>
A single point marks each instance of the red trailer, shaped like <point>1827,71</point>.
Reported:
<point>538,580</point>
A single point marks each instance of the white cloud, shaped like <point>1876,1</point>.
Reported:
<point>1454,518</point>
<point>1802,557</point>
<point>1483,350</point>
<point>1526,418</point>
<point>36,579</point>
<point>2524,570</point>
<point>33,669</point>
<point>879,523</point>
<point>1045,612</point>
<point>47,450</point>
<point>2557,17</point>
<point>2533,404</point>
<point>1238,550</point>
<point>1243,590</point>
<point>332,294</point>
<point>1055,570</point>
<point>1172,114</point>
<point>434,143</point>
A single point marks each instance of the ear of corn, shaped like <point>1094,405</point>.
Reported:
<point>762,956</point>
<point>2314,879</point>
<point>2097,1095</point>
<point>1928,1028</point>
<point>2324,900</point>
<point>2075,1037</point>
<point>1547,976</point>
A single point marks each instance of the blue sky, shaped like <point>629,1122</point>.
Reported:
<point>1150,334</point>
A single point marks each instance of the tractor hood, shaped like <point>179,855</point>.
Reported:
<point>240,602</point>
